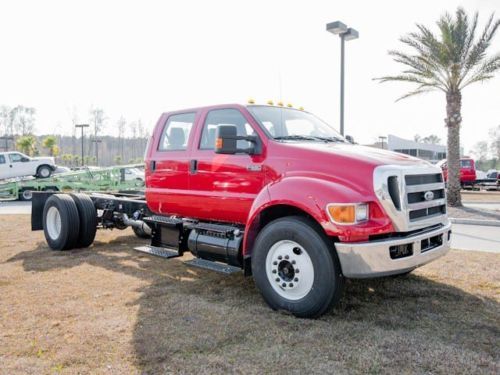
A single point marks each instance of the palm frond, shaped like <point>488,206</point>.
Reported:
<point>484,72</point>
<point>415,92</point>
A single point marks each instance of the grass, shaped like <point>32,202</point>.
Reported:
<point>110,309</point>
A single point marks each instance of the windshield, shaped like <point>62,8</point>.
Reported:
<point>288,123</point>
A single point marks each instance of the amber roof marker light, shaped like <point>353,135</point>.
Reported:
<point>345,33</point>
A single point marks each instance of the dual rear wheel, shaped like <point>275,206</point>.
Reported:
<point>69,221</point>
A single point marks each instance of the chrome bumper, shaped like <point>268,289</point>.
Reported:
<point>373,259</point>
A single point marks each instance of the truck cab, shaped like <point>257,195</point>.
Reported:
<point>379,212</point>
<point>467,171</point>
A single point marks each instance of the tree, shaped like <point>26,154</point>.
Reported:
<point>23,119</point>
<point>50,143</point>
<point>417,138</point>
<point>118,159</point>
<point>480,151</point>
<point>448,62</point>
<point>97,121</point>
<point>27,144</point>
<point>495,142</point>
<point>120,125</point>
<point>432,139</point>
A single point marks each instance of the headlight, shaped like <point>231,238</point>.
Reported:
<point>345,214</point>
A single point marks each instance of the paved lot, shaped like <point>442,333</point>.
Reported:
<point>476,237</point>
<point>15,207</point>
<point>495,206</point>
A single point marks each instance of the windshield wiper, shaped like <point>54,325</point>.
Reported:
<point>309,138</point>
<point>296,137</point>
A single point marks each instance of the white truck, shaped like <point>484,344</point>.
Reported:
<point>15,164</point>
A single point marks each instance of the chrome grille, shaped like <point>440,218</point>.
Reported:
<point>413,196</point>
<point>425,196</point>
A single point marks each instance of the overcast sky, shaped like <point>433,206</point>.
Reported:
<point>141,58</point>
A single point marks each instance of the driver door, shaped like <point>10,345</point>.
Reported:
<point>20,165</point>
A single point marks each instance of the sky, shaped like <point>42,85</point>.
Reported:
<point>142,58</point>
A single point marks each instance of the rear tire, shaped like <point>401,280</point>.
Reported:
<point>88,220</point>
<point>291,251</point>
<point>26,195</point>
<point>61,223</point>
<point>43,171</point>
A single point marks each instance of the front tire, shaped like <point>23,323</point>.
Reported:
<point>61,223</point>
<point>295,267</point>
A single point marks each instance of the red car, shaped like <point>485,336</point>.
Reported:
<point>467,171</point>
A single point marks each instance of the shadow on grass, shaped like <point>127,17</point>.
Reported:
<point>192,320</point>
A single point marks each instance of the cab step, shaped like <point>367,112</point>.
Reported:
<point>212,266</point>
<point>159,251</point>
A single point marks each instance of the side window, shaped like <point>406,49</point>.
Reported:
<point>176,132</point>
<point>2,159</point>
<point>15,158</point>
<point>224,117</point>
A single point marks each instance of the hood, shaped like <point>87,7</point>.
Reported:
<point>363,154</point>
<point>48,159</point>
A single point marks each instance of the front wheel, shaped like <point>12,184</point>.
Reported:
<point>296,269</point>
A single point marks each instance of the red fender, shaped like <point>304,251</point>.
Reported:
<point>311,195</point>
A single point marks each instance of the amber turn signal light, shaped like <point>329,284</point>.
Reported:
<point>348,213</point>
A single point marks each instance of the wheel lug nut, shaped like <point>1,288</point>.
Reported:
<point>297,270</point>
<point>290,285</point>
<point>296,279</point>
<point>278,279</point>
<point>275,263</point>
<point>293,262</point>
<point>287,257</point>
<point>280,257</point>
<point>283,285</point>
<point>274,271</point>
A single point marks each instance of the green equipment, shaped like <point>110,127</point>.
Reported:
<point>110,179</point>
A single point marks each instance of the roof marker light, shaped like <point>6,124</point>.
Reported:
<point>280,103</point>
<point>270,102</point>
<point>289,105</point>
<point>251,101</point>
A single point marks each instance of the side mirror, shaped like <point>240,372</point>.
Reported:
<point>349,139</point>
<point>24,160</point>
<point>226,141</point>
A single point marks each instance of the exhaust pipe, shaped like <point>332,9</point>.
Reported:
<point>137,224</point>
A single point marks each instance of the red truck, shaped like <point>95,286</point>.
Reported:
<point>272,191</point>
<point>467,171</point>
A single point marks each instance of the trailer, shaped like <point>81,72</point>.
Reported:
<point>103,179</point>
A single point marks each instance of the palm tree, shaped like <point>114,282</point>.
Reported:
<point>50,143</point>
<point>26,144</point>
<point>449,62</point>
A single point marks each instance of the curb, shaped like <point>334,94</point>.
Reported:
<point>489,223</point>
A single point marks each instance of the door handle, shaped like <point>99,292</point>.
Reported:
<point>152,165</point>
<point>193,166</point>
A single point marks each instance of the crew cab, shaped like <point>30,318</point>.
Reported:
<point>15,164</point>
<point>467,171</point>
<point>275,192</point>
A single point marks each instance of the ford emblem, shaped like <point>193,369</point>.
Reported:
<point>429,195</point>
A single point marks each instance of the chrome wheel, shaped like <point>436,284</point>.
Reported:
<point>44,172</point>
<point>53,223</point>
<point>289,270</point>
<point>27,195</point>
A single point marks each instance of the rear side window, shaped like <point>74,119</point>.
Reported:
<point>176,132</point>
<point>224,117</point>
<point>2,159</point>
<point>15,158</point>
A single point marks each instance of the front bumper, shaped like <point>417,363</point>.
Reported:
<point>373,259</point>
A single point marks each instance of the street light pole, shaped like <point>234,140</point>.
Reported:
<point>345,34</point>
<point>81,126</point>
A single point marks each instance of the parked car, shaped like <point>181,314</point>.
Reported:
<point>15,164</point>
<point>134,174</point>
<point>467,171</point>
<point>272,191</point>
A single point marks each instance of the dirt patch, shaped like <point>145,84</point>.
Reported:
<point>473,213</point>
<point>108,309</point>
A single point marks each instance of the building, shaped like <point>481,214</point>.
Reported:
<point>426,151</point>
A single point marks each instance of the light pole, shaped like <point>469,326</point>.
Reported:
<point>81,126</point>
<point>345,33</point>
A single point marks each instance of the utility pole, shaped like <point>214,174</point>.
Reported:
<point>97,141</point>
<point>81,126</point>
